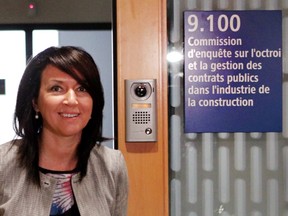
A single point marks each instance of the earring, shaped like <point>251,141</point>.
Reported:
<point>36,115</point>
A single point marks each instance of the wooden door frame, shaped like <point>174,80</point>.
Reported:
<point>141,37</point>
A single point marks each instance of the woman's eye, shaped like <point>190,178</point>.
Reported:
<point>56,88</point>
<point>82,89</point>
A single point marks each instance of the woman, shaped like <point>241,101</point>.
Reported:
<point>59,166</point>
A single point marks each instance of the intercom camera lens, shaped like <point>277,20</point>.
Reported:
<point>140,90</point>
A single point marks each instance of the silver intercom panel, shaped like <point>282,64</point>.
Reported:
<point>141,110</point>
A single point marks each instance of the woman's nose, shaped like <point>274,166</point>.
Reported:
<point>70,98</point>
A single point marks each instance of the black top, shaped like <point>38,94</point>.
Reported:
<point>64,202</point>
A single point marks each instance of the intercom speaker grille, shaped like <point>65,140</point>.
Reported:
<point>141,117</point>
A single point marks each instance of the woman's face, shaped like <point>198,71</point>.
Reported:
<point>63,103</point>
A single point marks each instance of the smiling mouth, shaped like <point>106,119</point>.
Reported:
<point>67,115</point>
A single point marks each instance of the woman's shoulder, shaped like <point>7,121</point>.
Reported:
<point>8,153</point>
<point>105,152</point>
<point>107,157</point>
<point>9,148</point>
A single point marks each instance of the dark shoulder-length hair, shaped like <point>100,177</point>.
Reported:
<point>78,64</point>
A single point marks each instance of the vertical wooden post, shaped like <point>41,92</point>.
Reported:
<point>141,54</point>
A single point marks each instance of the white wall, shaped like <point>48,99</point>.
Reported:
<point>12,64</point>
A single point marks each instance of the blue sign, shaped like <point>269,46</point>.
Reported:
<point>233,71</point>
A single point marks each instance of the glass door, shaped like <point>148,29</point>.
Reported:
<point>229,174</point>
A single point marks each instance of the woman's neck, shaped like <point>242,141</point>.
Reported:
<point>58,153</point>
